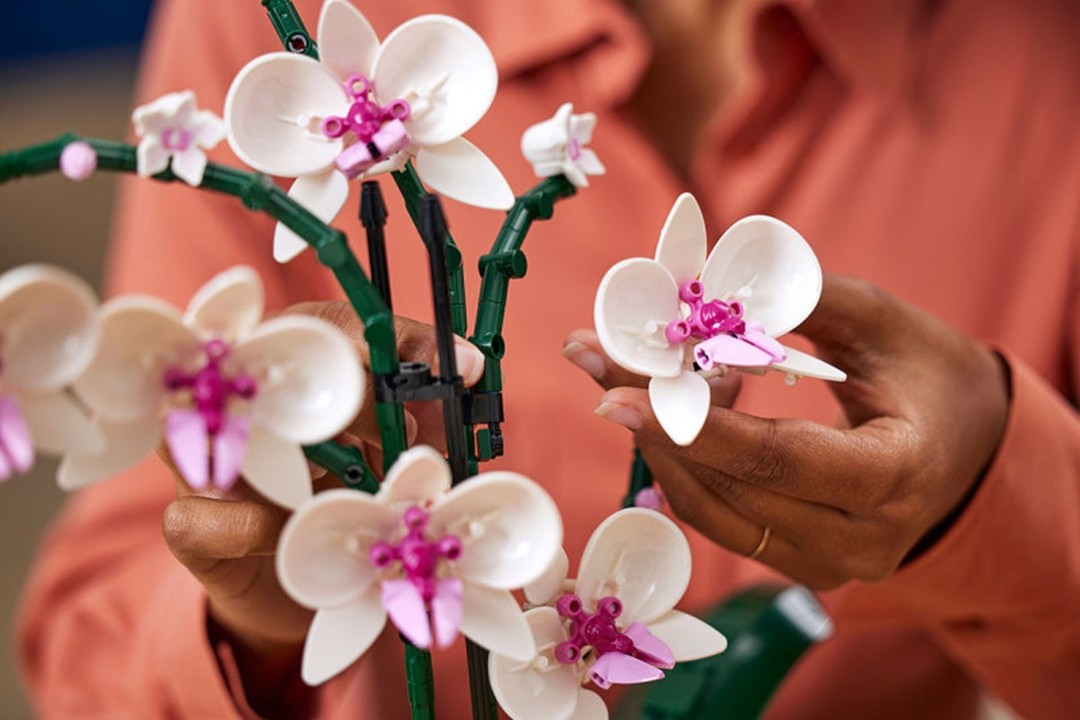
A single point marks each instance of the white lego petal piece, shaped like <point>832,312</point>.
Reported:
<point>125,445</point>
<point>141,337</point>
<point>589,707</point>
<point>48,326</point>
<point>322,556</point>
<point>58,424</point>
<point>151,157</point>
<point>189,165</point>
<point>510,529</point>
<point>459,170</point>
<point>768,267</point>
<point>540,689</point>
<point>803,365</point>
<point>156,116</point>
<point>545,142</point>
<point>276,469</point>
<point>310,383</point>
<point>688,637</point>
<point>492,619</point>
<point>323,194</point>
<point>681,405</point>
<point>443,69</point>
<point>229,306</point>
<point>209,129</point>
<point>420,476</point>
<point>681,248</point>
<point>347,43</point>
<point>640,557</point>
<point>635,302</point>
<point>590,163</point>
<point>544,588</point>
<point>338,636</point>
<point>274,111</point>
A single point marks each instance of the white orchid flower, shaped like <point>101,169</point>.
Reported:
<point>48,332</point>
<point>659,317</point>
<point>173,128</point>
<point>557,146</point>
<point>234,397</point>
<point>615,625</point>
<point>436,560</point>
<point>365,108</point>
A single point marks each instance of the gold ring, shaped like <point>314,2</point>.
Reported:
<point>765,535</point>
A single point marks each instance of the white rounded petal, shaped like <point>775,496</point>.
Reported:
<point>544,588</point>
<point>48,327</point>
<point>141,337</point>
<point>589,707</point>
<point>510,529</point>
<point>273,113</point>
<point>636,301</point>
<point>339,636</point>
<point>229,306</point>
<point>347,43</point>
<point>59,425</point>
<point>542,688</point>
<point>803,365</point>
<point>545,142</point>
<point>640,557</point>
<point>459,170</point>
<point>681,248</point>
<point>688,637</point>
<point>189,165</point>
<point>323,195</point>
<point>309,380</point>
<point>209,129</point>
<point>492,619</point>
<point>420,476</point>
<point>125,445</point>
<point>322,556</point>
<point>681,405</point>
<point>276,468</point>
<point>151,157</point>
<point>449,85</point>
<point>768,266</point>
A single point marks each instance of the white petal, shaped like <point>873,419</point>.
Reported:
<point>140,338</point>
<point>460,171</point>
<point>49,327</point>
<point>541,689</point>
<point>322,558</point>
<point>189,165</point>
<point>640,557</point>
<point>581,127</point>
<point>681,405</point>
<point>323,195</point>
<point>273,113</point>
<point>58,425</point>
<point>492,619</point>
<point>688,637</point>
<point>455,76</point>
<point>347,44</point>
<point>681,248</point>
<point>590,163</point>
<point>151,157</point>
<point>589,707</point>
<point>276,468</point>
<point>125,445</point>
<point>229,306</point>
<point>544,588</point>
<point>545,142</point>
<point>339,636</point>
<point>803,365</point>
<point>769,268</point>
<point>155,116</point>
<point>309,379</point>
<point>209,129</point>
<point>509,528</point>
<point>636,301</point>
<point>420,476</point>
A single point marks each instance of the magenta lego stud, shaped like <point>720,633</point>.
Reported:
<point>379,130</point>
<point>78,161</point>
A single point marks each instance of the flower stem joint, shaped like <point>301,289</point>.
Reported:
<point>379,130</point>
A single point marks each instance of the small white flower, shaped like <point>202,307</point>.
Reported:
<point>172,127</point>
<point>558,146</point>
<point>234,397</point>
<point>435,559</point>
<point>658,317</point>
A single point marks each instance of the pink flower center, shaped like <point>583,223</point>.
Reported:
<point>377,130</point>
<point>418,556</point>
<point>177,139</point>
<point>573,149</point>
<point>708,318</point>
<point>210,387</point>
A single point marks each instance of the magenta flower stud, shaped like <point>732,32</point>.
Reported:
<point>662,317</point>
<point>228,395</point>
<point>614,625</point>
<point>173,129</point>
<point>436,560</point>
<point>48,332</point>
<point>557,146</point>
<point>365,108</point>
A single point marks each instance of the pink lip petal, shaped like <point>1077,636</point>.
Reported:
<point>659,654</point>
<point>15,439</point>
<point>405,606</point>
<point>617,668</point>
<point>186,437</point>
<point>755,335</point>
<point>230,446</point>
<point>446,609</point>
<point>728,350</point>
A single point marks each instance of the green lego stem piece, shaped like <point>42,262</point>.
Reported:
<point>640,478</point>
<point>420,681</point>
<point>346,462</point>
<point>290,28</point>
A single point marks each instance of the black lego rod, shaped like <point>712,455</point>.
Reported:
<point>373,216</point>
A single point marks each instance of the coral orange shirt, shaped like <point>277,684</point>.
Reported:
<point>930,147</point>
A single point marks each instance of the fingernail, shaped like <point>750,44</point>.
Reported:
<point>411,429</point>
<point>623,415</point>
<point>317,471</point>
<point>470,361</point>
<point>587,360</point>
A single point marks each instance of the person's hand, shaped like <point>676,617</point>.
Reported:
<point>925,411</point>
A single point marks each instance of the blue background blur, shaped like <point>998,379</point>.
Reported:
<point>37,28</point>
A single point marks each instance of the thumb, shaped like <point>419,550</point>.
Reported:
<point>202,531</point>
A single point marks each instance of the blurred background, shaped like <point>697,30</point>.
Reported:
<point>65,65</point>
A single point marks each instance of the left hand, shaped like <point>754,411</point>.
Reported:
<point>925,410</point>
